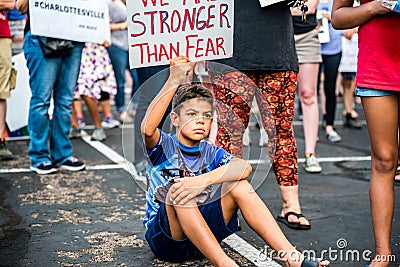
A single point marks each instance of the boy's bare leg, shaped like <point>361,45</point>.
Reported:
<point>187,221</point>
<point>242,195</point>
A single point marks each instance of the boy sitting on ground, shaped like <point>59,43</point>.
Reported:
<point>183,220</point>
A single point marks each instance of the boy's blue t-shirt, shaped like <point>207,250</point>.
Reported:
<point>171,159</point>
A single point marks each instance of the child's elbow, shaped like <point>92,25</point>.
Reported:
<point>145,130</point>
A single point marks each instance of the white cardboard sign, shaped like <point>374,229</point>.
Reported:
<point>265,3</point>
<point>76,20</point>
<point>159,30</point>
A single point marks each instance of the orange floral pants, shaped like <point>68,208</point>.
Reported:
<point>275,95</point>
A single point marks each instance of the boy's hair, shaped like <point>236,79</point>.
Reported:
<point>186,92</point>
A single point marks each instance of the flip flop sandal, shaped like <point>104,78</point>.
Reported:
<point>310,263</point>
<point>293,225</point>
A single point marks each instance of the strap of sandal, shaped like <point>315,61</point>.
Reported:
<point>298,215</point>
<point>309,263</point>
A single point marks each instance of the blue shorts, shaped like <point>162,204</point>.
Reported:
<point>373,92</point>
<point>165,248</point>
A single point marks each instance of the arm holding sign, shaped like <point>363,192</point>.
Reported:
<point>7,4</point>
<point>22,6</point>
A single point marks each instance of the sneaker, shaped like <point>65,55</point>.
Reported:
<point>74,133</point>
<point>5,153</point>
<point>81,123</point>
<point>333,136</point>
<point>352,122</point>
<point>263,138</point>
<point>99,135</point>
<point>44,168</point>
<point>125,118</point>
<point>72,164</point>
<point>246,137</point>
<point>109,123</point>
<point>311,165</point>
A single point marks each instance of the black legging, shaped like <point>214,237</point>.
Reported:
<point>331,67</point>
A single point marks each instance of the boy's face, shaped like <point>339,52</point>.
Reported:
<point>193,122</point>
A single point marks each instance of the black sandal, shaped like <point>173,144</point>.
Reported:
<point>310,263</point>
<point>293,225</point>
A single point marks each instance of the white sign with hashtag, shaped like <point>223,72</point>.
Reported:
<point>76,20</point>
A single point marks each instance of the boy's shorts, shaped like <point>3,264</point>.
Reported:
<point>165,248</point>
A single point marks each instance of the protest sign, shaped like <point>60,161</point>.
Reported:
<point>265,3</point>
<point>159,30</point>
<point>76,20</point>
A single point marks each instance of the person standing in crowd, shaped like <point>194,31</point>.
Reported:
<point>378,85</point>
<point>95,82</point>
<point>264,65</point>
<point>348,70</point>
<point>50,77</point>
<point>5,72</point>
<point>118,52</point>
<point>17,23</point>
<point>308,50</point>
<point>331,55</point>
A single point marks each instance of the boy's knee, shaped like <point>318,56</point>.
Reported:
<point>238,188</point>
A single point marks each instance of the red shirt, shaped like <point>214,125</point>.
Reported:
<point>379,53</point>
<point>4,28</point>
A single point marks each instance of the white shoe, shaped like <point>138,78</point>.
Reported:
<point>311,165</point>
<point>246,137</point>
<point>263,138</point>
<point>333,136</point>
<point>109,123</point>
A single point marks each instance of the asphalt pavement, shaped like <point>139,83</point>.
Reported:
<point>93,217</point>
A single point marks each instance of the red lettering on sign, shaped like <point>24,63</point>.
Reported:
<point>141,51</point>
<point>220,43</point>
<point>151,13</point>
<point>154,3</point>
<point>223,8</point>
<point>140,23</point>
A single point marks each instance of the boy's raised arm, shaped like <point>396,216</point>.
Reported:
<point>179,68</point>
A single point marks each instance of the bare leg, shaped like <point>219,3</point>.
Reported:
<point>3,109</point>
<point>76,106</point>
<point>187,221</point>
<point>94,112</point>
<point>348,96</point>
<point>106,107</point>
<point>307,83</point>
<point>291,202</point>
<point>259,218</point>
<point>384,154</point>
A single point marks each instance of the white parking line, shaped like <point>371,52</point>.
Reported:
<point>320,159</point>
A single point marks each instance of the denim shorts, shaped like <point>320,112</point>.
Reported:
<point>373,92</point>
<point>165,248</point>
